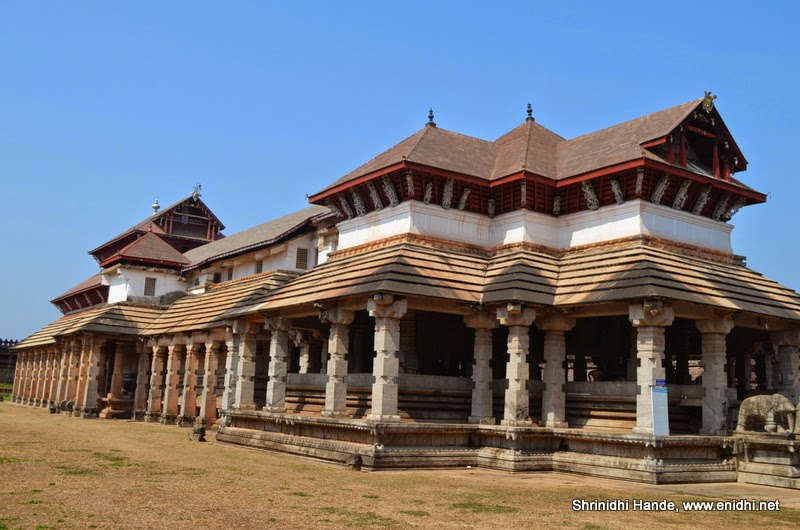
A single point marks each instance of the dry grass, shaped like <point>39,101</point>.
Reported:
<point>60,472</point>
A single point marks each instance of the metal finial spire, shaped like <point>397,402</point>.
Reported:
<point>196,192</point>
<point>430,123</point>
<point>530,112</point>
<point>155,206</point>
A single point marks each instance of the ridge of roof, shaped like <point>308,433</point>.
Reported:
<point>254,237</point>
<point>149,247</point>
<point>140,226</point>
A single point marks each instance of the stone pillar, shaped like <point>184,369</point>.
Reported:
<point>27,377</point>
<point>17,378</point>
<point>37,379</point>
<point>208,399</point>
<point>62,375</point>
<point>387,313</point>
<point>140,397</point>
<point>769,372</point>
<point>169,411</point>
<point>715,380</point>
<point>89,408</point>
<point>244,398</point>
<point>302,341</point>
<point>323,356</point>
<point>338,341</point>
<point>81,370</point>
<point>482,323</point>
<point>70,396</point>
<point>554,399</point>
<point>44,379</point>
<point>188,411</point>
<point>787,346</point>
<point>116,373</point>
<point>55,373</point>
<point>231,371</point>
<point>518,319</point>
<point>278,354</point>
<point>156,380</point>
<point>649,319</point>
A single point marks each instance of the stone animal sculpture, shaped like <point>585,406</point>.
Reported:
<point>771,410</point>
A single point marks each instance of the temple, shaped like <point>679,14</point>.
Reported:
<point>528,303</point>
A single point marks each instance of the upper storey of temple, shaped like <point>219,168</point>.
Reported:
<point>677,164</point>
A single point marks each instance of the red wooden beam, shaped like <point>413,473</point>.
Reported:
<point>701,132</point>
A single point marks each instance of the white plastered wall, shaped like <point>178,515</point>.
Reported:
<point>632,218</point>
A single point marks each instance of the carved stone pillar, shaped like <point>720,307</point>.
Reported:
<point>278,355</point>
<point>89,408</point>
<point>336,387</point>
<point>140,397</point>
<point>188,411</point>
<point>72,372</point>
<point>52,380</point>
<point>61,377</point>
<point>15,391</point>
<point>116,373</point>
<point>231,371</point>
<point>27,377</point>
<point>208,400</point>
<point>483,324</point>
<point>245,389</point>
<point>649,319</point>
<point>787,346</point>
<point>169,411</point>
<point>80,389</point>
<point>387,313</point>
<point>715,380</point>
<point>45,366</point>
<point>156,380</point>
<point>37,379</point>
<point>518,319</point>
<point>555,356</point>
<point>323,356</point>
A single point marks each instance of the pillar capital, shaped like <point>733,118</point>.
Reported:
<point>553,321</point>
<point>719,324</point>
<point>386,306</point>
<point>336,315</point>
<point>277,324</point>
<point>481,320</point>
<point>787,337</point>
<point>514,314</point>
<point>651,313</point>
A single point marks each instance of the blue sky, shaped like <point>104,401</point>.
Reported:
<point>107,105</point>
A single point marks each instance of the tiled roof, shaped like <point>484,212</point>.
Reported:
<point>117,319</point>
<point>530,146</point>
<point>90,283</point>
<point>215,307</point>
<point>257,236</point>
<point>149,248</point>
<point>623,271</point>
<point>149,225</point>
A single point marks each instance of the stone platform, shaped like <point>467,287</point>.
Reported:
<point>642,458</point>
<point>769,459</point>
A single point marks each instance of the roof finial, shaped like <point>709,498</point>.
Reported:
<point>155,206</point>
<point>196,192</point>
<point>708,101</point>
<point>530,113</point>
<point>430,123</point>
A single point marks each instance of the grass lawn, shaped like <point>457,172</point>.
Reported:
<point>61,472</point>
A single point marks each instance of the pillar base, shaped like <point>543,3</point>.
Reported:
<point>185,421</point>
<point>88,413</point>
<point>168,419</point>
<point>275,410</point>
<point>139,414</point>
<point>642,430</point>
<point>383,418</point>
<point>554,424</point>
<point>151,417</point>
<point>517,423</point>
<point>482,420</point>
<point>43,403</point>
<point>718,432</point>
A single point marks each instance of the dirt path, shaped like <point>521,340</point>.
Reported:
<point>61,472</point>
